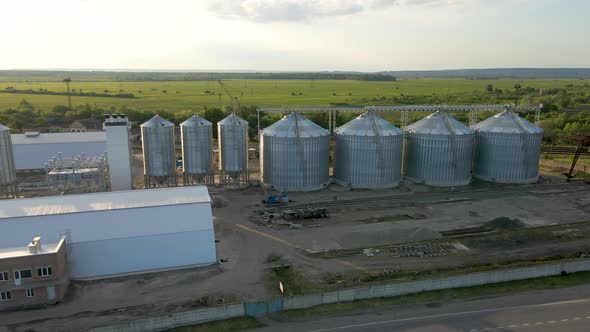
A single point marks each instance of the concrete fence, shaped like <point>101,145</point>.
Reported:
<point>207,314</point>
<point>162,323</point>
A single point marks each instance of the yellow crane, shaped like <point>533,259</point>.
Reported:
<point>235,102</point>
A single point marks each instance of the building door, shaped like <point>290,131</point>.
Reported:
<point>51,292</point>
<point>17,278</point>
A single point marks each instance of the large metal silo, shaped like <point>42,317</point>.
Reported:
<point>8,183</point>
<point>508,149</point>
<point>159,160</point>
<point>294,155</point>
<point>196,136</point>
<point>368,153</point>
<point>232,134</point>
<point>439,151</point>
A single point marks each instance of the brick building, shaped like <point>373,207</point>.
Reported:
<point>33,276</point>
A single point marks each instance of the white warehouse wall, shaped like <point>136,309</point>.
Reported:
<point>121,241</point>
<point>35,156</point>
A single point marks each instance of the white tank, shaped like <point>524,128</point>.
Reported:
<point>196,136</point>
<point>233,144</point>
<point>294,154</point>
<point>508,149</point>
<point>439,151</point>
<point>8,183</point>
<point>157,138</point>
<point>368,153</point>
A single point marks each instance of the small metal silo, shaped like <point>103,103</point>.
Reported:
<point>508,149</point>
<point>232,134</point>
<point>196,136</point>
<point>439,151</point>
<point>159,160</point>
<point>368,153</point>
<point>8,183</point>
<point>294,155</point>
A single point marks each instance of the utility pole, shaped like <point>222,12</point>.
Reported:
<point>517,87</point>
<point>234,99</point>
<point>67,80</point>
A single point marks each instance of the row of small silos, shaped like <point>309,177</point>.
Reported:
<point>439,151</point>
<point>158,144</point>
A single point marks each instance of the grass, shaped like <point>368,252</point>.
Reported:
<point>190,95</point>
<point>510,287</point>
<point>234,324</point>
<point>466,293</point>
<point>294,282</point>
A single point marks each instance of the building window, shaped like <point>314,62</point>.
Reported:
<point>23,274</point>
<point>30,292</point>
<point>3,276</point>
<point>45,271</point>
<point>5,296</point>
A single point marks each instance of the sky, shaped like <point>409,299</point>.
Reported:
<point>293,35</point>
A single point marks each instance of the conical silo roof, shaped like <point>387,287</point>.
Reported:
<point>368,124</point>
<point>195,121</point>
<point>294,125</point>
<point>156,122</point>
<point>4,128</point>
<point>507,122</point>
<point>439,123</point>
<point>233,120</point>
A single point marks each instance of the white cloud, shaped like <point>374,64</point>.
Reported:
<point>263,11</point>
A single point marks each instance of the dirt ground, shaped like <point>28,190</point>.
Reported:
<point>372,231</point>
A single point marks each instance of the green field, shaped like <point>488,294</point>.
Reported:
<point>190,95</point>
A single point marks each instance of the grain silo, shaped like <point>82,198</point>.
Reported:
<point>368,153</point>
<point>196,136</point>
<point>294,155</point>
<point>232,135</point>
<point>8,183</point>
<point>507,149</point>
<point>159,160</point>
<point>439,151</point>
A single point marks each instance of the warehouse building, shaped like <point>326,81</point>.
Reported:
<point>32,150</point>
<point>117,233</point>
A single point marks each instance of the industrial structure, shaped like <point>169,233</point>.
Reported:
<point>368,153</point>
<point>117,233</point>
<point>33,275</point>
<point>439,151</point>
<point>232,134</point>
<point>159,158</point>
<point>294,155</point>
<point>508,149</point>
<point>77,175</point>
<point>8,182</point>
<point>403,110</point>
<point>33,149</point>
<point>118,135</point>
<point>196,136</point>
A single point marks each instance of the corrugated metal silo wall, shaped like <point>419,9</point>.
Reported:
<point>362,162</point>
<point>295,164</point>
<point>7,167</point>
<point>507,157</point>
<point>158,151</point>
<point>197,149</point>
<point>233,148</point>
<point>435,161</point>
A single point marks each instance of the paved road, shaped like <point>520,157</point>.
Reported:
<point>563,310</point>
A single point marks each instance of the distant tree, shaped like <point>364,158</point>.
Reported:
<point>490,88</point>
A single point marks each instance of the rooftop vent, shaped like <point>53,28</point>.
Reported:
<point>35,245</point>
